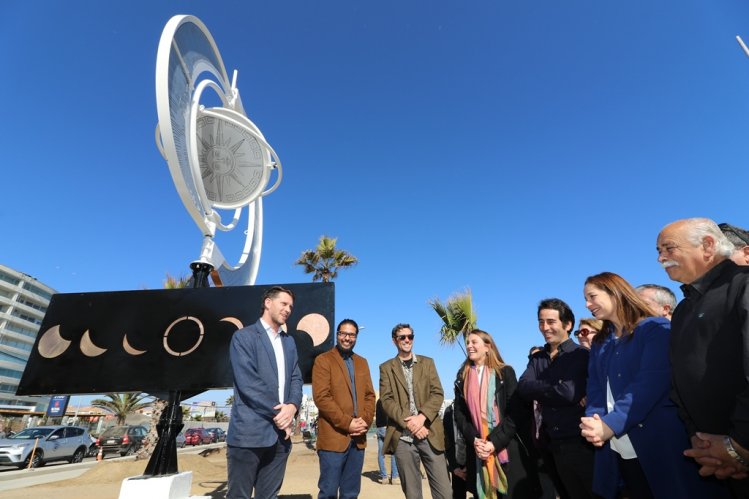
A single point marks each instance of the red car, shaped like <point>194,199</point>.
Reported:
<point>197,436</point>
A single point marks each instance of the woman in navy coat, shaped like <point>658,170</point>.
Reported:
<point>628,414</point>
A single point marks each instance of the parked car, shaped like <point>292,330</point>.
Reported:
<point>197,436</point>
<point>219,435</point>
<point>181,440</point>
<point>122,439</point>
<point>54,443</point>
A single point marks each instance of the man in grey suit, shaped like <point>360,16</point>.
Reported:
<point>267,395</point>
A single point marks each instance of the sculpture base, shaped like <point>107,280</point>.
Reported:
<point>175,486</point>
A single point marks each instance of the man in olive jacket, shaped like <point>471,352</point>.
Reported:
<point>345,398</point>
<point>412,396</point>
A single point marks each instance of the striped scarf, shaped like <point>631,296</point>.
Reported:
<point>479,390</point>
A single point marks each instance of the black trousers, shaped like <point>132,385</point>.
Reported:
<point>573,460</point>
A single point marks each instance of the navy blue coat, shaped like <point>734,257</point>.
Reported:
<point>638,370</point>
<point>256,386</point>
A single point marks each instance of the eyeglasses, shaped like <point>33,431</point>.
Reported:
<point>585,332</point>
<point>402,337</point>
<point>347,335</point>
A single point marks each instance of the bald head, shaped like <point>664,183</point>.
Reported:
<point>688,248</point>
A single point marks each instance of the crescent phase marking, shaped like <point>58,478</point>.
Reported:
<point>234,321</point>
<point>88,348</point>
<point>169,330</point>
<point>51,344</point>
<point>129,349</point>
<point>315,325</point>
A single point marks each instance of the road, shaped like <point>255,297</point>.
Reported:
<point>13,478</point>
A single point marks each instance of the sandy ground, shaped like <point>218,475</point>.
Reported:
<point>104,480</point>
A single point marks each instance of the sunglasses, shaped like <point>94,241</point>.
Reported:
<point>347,335</point>
<point>402,337</point>
<point>585,332</point>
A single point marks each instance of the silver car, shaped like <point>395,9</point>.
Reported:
<point>53,443</point>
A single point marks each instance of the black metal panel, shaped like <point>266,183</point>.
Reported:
<point>165,324</point>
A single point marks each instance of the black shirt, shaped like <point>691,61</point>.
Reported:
<point>558,386</point>
<point>710,353</point>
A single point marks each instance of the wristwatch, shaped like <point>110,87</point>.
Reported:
<point>732,452</point>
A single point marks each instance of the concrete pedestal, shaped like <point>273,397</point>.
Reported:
<point>175,486</point>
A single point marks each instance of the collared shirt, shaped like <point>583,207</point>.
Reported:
<point>408,372</point>
<point>558,385</point>
<point>275,341</point>
<point>710,352</point>
<point>349,362</point>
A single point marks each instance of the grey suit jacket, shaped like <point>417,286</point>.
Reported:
<point>427,393</point>
<point>256,386</point>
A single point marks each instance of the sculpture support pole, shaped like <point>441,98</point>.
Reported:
<point>164,458</point>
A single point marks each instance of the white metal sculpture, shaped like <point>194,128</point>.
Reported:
<point>217,157</point>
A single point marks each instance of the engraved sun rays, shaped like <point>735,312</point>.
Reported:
<point>219,158</point>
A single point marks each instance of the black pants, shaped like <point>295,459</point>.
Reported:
<point>573,459</point>
<point>635,481</point>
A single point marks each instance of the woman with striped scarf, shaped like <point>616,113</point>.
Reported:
<point>487,412</point>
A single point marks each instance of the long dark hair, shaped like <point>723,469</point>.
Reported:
<point>630,308</point>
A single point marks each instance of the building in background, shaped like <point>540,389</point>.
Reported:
<point>23,303</point>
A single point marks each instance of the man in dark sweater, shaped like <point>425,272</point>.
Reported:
<point>710,347</point>
<point>556,378</point>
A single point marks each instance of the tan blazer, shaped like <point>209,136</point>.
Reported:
<point>427,393</point>
<point>331,390</point>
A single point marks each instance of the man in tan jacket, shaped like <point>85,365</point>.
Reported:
<point>345,398</point>
<point>412,396</point>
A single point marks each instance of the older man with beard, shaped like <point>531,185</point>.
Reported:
<point>710,347</point>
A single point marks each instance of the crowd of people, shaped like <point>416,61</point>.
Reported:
<point>652,401</point>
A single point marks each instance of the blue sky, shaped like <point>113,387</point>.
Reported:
<point>511,147</point>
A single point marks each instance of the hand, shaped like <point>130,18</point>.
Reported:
<point>357,427</point>
<point>483,448</point>
<point>285,416</point>
<point>422,433</point>
<point>414,423</point>
<point>287,432</point>
<point>460,473</point>
<point>710,453</point>
<point>595,431</point>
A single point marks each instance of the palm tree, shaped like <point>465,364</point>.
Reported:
<point>458,317</point>
<point>122,404</point>
<point>324,261</point>
<point>230,401</point>
<point>171,282</point>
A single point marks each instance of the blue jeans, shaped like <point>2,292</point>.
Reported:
<point>340,473</point>
<point>381,457</point>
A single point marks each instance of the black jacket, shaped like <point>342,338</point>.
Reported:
<point>522,476</point>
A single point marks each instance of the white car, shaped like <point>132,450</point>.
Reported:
<point>53,443</point>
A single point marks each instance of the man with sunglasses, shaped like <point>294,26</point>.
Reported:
<point>345,398</point>
<point>412,396</point>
